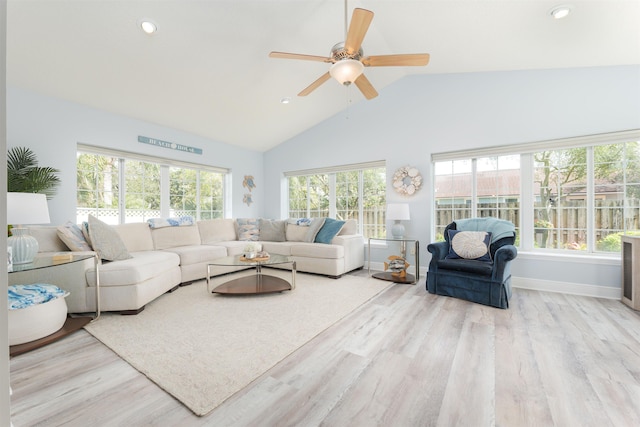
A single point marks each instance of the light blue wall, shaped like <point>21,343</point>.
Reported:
<point>424,114</point>
<point>410,120</point>
<point>52,128</point>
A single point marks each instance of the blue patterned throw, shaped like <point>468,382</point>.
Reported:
<point>23,296</point>
<point>170,222</point>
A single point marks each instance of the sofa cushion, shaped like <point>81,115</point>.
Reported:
<point>72,236</point>
<point>314,250</point>
<point>471,266</point>
<point>136,236</point>
<point>272,230</point>
<point>314,228</point>
<point>248,229</point>
<point>106,241</point>
<point>277,248</point>
<point>471,245</point>
<point>217,230</point>
<point>171,237</point>
<point>329,230</point>
<point>234,247</point>
<point>199,253</point>
<point>142,266</point>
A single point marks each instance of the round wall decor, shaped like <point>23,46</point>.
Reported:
<point>407,180</point>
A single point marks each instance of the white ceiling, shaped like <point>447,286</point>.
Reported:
<point>207,71</point>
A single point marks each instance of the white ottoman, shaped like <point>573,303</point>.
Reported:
<point>35,311</point>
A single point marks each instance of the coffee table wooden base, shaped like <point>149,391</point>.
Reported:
<point>254,284</point>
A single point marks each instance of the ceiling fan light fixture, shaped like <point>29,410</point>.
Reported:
<point>346,71</point>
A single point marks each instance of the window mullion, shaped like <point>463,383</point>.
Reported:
<point>122,184</point>
<point>591,201</point>
<point>165,206</point>
<point>474,188</point>
<point>361,202</point>
<point>332,195</point>
<point>527,207</point>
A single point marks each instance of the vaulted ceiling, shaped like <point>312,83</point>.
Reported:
<point>206,70</point>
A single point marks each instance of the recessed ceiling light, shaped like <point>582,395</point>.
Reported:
<point>285,100</point>
<point>560,12</point>
<point>148,27</point>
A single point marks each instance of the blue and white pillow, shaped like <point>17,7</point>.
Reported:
<point>248,229</point>
<point>170,222</point>
<point>472,245</point>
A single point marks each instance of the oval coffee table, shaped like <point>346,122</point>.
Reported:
<point>258,283</point>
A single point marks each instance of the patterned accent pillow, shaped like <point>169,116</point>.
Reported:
<point>23,296</point>
<point>85,232</point>
<point>469,245</point>
<point>106,241</point>
<point>248,229</point>
<point>329,230</point>
<point>72,236</point>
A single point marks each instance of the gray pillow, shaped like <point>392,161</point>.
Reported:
<point>272,230</point>
<point>106,241</point>
<point>316,225</point>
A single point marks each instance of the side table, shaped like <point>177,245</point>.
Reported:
<point>409,279</point>
<point>37,272</point>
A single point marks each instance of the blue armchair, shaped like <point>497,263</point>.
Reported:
<point>486,282</point>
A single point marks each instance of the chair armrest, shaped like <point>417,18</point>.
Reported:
<point>438,249</point>
<point>501,261</point>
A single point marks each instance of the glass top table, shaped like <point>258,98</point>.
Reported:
<point>258,283</point>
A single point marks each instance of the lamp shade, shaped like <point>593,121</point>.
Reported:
<point>27,208</point>
<point>346,71</point>
<point>398,211</point>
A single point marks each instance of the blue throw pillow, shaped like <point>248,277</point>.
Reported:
<point>329,230</point>
<point>469,245</point>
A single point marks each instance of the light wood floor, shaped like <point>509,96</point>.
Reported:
<point>407,358</point>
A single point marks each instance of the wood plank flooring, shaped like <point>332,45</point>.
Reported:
<point>407,358</point>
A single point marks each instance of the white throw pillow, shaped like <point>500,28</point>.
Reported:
<point>106,241</point>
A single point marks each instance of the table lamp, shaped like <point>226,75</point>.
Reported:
<point>398,212</point>
<point>25,208</point>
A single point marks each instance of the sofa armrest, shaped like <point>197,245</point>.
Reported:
<point>353,250</point>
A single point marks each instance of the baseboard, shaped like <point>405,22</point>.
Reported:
<point>566,288</point>
<point>595,291</point>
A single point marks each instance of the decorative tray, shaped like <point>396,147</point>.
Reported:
<point>256,259</point>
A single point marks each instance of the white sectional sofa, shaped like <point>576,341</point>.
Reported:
<point>164,258</point>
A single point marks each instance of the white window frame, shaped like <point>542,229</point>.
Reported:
<point>526,152</point>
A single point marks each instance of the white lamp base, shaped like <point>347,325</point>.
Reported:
<point>24,247</point>
<point>397,230</point>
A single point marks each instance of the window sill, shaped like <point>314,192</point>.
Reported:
<point>600,259</point>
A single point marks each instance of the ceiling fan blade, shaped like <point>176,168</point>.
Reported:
<point>313,86</point>
<point>401,60</point>
<point>360,21</point>
<point>366,87</point>
<point>285,55</point>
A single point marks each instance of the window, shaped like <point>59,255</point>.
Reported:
<point>120,188</point>
<point>347,192</point>
<point>478,187</point>
<point>578,194</point>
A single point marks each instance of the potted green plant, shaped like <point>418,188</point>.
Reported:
<point>25,176</point>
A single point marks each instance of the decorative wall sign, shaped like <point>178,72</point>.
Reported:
<point>407,180</point>
<point>170,145</point>
<point>248,182</point>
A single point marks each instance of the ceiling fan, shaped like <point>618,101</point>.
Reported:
<point>348,60</point>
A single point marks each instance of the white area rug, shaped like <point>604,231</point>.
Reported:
<point>203,348</point>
